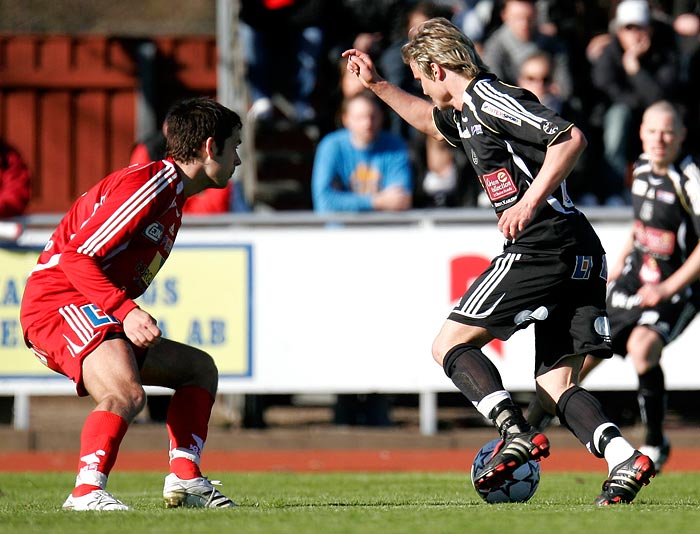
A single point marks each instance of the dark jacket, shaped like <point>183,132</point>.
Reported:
<point>658,76</point>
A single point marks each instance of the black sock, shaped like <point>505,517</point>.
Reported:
<point>582,413</point>
<point>652,404</point>
<point>472,372</point>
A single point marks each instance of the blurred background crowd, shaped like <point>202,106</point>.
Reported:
<point>599,64</point>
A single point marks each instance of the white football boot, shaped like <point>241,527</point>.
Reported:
<point>193,493</point>
<point>99,500</point>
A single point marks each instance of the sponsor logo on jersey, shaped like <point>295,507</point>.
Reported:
<point>492,110</point>
<point>667,197</point>
<point>499,185</point>
<point>150,272</point>
<point>154,232</point>
<point>475,158</point>
<point>550,128</point>
<point>655,241</point>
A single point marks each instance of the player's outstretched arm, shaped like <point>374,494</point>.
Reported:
<point>416,111</point>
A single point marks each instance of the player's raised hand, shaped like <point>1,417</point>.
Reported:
<point>141,329</point>
<point>362,66</point>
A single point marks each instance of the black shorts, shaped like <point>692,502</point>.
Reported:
<point>668,319</point>
<point>564,296</point>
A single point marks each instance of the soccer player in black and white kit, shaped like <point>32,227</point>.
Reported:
<point>552,271</point>
<point>652,292</point>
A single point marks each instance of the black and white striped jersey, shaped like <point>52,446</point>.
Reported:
<point>505,132</point>
<point>666,219</point>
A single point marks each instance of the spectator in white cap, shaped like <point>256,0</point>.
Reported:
<point>632,13</point>
<point>638,67</point>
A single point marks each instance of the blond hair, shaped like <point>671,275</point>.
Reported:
<point>439,41</point>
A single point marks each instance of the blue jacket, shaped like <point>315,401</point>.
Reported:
<point>345,178</point>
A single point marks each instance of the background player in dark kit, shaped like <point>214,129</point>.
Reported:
<point>552,270</point>
<point>653,287</point>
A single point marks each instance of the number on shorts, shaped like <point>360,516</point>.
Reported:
<point>582,271</point>
<point>96,316</point>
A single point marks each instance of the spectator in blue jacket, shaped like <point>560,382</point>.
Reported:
<point>361,167</point>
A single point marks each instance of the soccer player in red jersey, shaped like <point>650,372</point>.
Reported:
<point>79,316</point>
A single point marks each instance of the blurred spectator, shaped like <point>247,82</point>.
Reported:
<point>361,167</point>
<point>536,75</point>
<point>282,42</point>
<point>519,37</point>
<point>391,64</point>
<point>687,25</point>
<point>367,24</point>
<point>638,67</point>
<point>475,18</point>
<point>15,190</point>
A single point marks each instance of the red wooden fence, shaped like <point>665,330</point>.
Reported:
<point>68,103</point>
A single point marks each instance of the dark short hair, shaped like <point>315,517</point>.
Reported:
<point>190,122</point>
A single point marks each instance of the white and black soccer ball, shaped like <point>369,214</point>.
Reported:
<point>520,487</point>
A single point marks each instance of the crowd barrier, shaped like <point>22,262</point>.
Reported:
<point>299,303</point>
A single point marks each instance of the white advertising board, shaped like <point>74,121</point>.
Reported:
<point>355,309</point>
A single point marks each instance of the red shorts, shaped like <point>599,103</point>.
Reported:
<point>61,340</point>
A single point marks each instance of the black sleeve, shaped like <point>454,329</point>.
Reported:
<point>445,123</point>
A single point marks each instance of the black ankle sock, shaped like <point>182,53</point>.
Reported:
<point>652,404</point>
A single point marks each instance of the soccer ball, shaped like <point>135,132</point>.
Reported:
<point>521,485</point>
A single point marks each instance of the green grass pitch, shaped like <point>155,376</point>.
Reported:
<point>354,503</point>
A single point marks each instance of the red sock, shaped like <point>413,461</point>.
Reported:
<point>99,445</point>
<point>187,423</point>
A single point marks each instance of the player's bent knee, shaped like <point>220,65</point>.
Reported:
<point>438,351</point>
<point>137,399</point>
<point>206,372</point>
<point>127,402</point>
